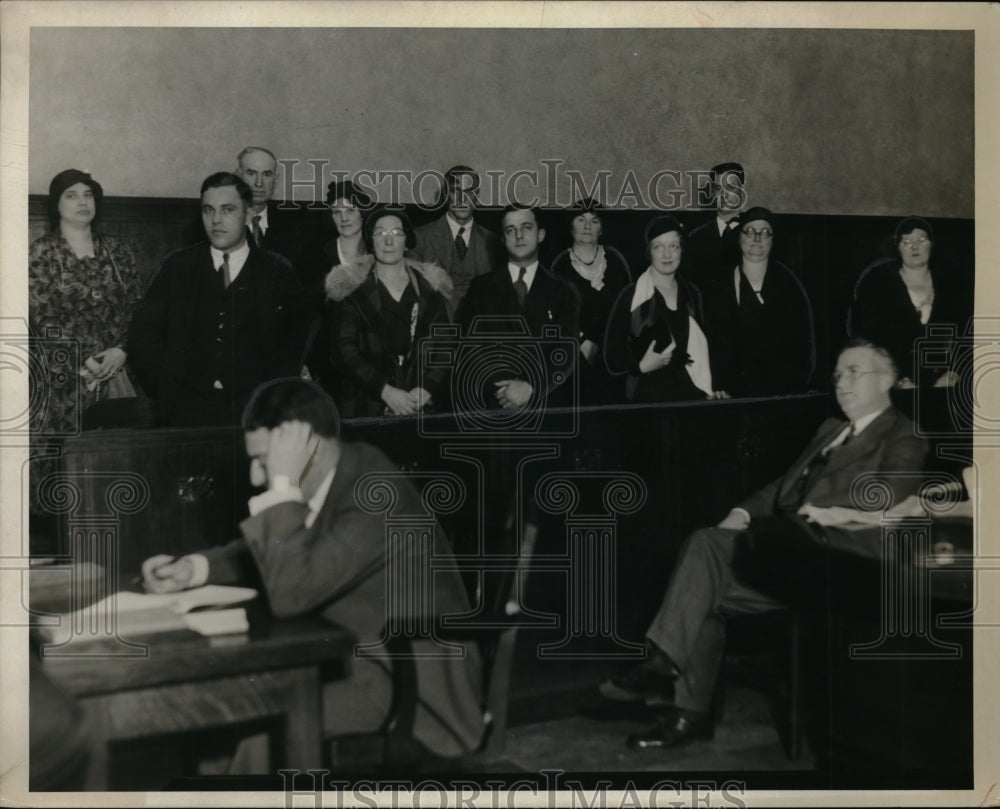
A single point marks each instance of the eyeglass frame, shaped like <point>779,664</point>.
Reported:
<point>851,374</point>
<point>396,233</point>
<point>906,241</point>
<point>753,233</point>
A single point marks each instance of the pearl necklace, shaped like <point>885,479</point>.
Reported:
<point>587,263</point>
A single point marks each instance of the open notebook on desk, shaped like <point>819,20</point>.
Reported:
<point>150,613</point>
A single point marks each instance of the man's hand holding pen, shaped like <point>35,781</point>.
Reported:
<point>166,574</point>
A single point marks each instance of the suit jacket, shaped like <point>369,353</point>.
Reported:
<point>551,302</point>
<point>435,243</point>
<point>308,569</point>
<point>889,444</point>
<point>360,349</point>
<point>283,235</point>
<point>174,315</point>
<point>709,254</point>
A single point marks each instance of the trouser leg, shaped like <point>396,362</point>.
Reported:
<point>690,625</point>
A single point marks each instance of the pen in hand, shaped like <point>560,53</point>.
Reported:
<point>137,580</point>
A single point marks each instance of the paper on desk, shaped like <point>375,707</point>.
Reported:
<point>218,622</point>
<point>211,595</point>
<point>150,613</point>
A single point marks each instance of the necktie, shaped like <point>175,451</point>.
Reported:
<point>817,466</point>
<point>460,244</point>
<point>224,271</point>
<point>258,234</point>
<point>521,288</point>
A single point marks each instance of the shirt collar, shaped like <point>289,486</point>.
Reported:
<point>454,226</point>
<point>864,421</point>
<point>237,257</point>
<point>722,224</point>
<point>529,272</point>
<point>263,218</point>
<point>316,501</point>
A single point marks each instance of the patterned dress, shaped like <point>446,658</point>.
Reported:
<point>77,307</point>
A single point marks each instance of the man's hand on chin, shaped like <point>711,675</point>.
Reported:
<point>291,446</point>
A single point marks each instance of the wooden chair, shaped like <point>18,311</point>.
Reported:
<point>785,687</point>
<point>495,634</point>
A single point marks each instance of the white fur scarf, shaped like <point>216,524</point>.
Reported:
<point>343,279</point>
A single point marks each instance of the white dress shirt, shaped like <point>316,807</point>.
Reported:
<point>262,224</point>
<point>455,226</point>
<point>529,273</point>
<point>237,258</point>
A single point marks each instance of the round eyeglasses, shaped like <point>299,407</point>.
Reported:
<point>850,375</point>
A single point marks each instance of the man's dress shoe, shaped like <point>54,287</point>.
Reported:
<point>643,683</point>
<point>673,728</point>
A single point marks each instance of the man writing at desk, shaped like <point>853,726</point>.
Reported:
<point>316,549</point>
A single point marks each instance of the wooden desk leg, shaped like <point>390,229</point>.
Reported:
<point>304,721</point>
<point>99,731</point>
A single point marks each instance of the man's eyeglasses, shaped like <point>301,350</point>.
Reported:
<point>395,233</point>
<point>850,375</point>
<point>752,233</point>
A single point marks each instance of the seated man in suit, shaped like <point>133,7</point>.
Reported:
<point>686,641</point>
<point>270,227</point>
<point>456,241</point>
<point>316,550</point>
<point>712,246</point>
<point>522,297</point>
<point>219,318</point>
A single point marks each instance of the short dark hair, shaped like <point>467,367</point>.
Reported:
<point>223,178</point>
<point>454,175</point>
<point>368,229</point>
<point>725,168</point>
<point>516,206</point>
<point>292,399</point>
<point>880,352</point>
<point>345,189</point>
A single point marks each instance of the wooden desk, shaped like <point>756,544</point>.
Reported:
<point>189,682</point>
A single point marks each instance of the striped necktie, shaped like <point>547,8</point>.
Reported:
<point>224,271</point>
<point>521,288</point>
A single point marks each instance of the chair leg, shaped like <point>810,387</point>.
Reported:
<point>795,690</point>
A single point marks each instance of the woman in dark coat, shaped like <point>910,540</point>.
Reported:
<point>388,303</point>
<point>896,299</point>
<point>599,273</point>
<point>760,320</point>
<point>654,333</point>
<point>348,206</point>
